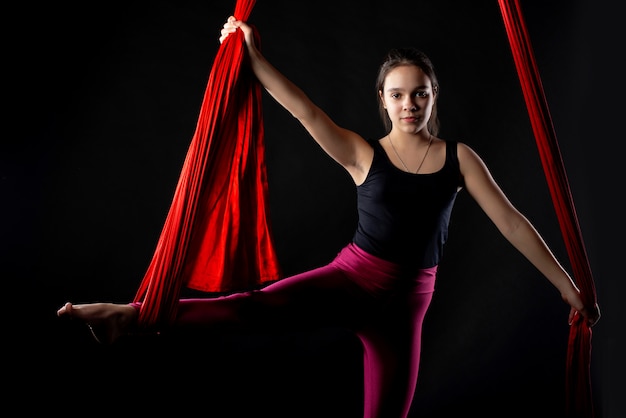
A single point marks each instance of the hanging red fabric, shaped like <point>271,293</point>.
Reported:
<point>217,234</point>
<point>579,401</point>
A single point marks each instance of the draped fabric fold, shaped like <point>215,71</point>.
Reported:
<point>217,234</point>
<point>579,401</point>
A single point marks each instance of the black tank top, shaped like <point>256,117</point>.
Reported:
<point>404,217</point>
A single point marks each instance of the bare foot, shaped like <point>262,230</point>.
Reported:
<point>106,321</point>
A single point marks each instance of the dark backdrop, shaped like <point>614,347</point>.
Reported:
<point>108,97</point>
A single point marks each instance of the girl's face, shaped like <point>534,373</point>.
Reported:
<point>408,97</point>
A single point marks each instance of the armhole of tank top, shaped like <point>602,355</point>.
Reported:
<point>453,158</point>
<point>451,152</point>
<point>375,144</point>
<point>377,149</point>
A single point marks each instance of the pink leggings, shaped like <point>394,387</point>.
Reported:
<point>357,291</point>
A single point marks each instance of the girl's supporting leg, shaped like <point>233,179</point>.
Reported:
<point>391,357</point>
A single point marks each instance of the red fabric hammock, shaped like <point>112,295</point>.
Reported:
<point>579,401</point>
<point>216,236</point>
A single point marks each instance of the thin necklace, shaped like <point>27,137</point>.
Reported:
<point>430,140</point>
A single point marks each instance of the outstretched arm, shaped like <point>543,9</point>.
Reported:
<point>344,146</point>
<point>516,228</point>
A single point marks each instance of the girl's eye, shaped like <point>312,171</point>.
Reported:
<point>422,94</point>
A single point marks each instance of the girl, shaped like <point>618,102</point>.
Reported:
<point>381,283</point>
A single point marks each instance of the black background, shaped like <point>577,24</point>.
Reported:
<point>104,101</point>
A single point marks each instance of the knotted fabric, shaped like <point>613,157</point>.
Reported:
<point>217,235</point>
<point>579,400</point>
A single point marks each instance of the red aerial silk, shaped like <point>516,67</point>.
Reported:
<point>579,401</point>
<point>217,236</point>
